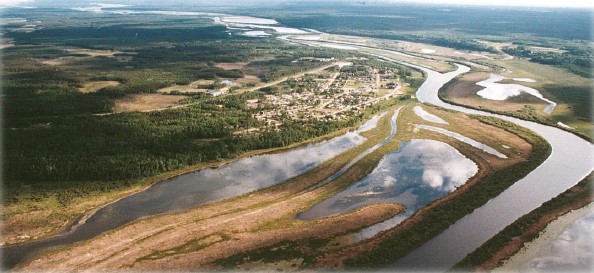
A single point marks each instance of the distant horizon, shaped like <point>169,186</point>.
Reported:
<point>506,3</point>
<point>492,3</point>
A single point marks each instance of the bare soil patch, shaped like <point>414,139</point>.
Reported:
<point>194,87</point>
<point>88,53</point>
<point>90,87</point>
<point>249,79</point>
<point>93,52</point>
<point>231,66</point>
<point>146,102</point>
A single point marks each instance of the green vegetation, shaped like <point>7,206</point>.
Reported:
<point>190,246</point>
<point>56,146</point>
<point>582,191</point>
<point>530,114</point>
<point>434,221</point>
<point>307,249</point>
<point>575,59</point>
<point>72,151</point>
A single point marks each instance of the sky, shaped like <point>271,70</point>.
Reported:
<point>536,3</point>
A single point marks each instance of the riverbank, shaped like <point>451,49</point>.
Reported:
<point>557,247</point>
<point>439,215</point>
<point>523,115</point>
<point>38,218</point>
<point>253,214</point>
<point>332,254</point>
<point>514,237</point>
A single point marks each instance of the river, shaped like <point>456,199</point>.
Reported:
<point>571,159</point>
<point>194,189</point>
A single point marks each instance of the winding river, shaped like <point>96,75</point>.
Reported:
<point>571,159</point>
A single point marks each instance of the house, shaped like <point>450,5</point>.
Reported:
<point>218,92</point>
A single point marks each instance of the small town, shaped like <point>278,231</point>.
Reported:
<point>332,94</point>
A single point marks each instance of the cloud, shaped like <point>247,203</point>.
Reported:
<point>12,3</point>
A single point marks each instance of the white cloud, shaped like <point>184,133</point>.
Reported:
<point>12,3</point>
<point>512,3</point>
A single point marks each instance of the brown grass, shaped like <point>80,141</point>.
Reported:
<point>146,102</point>
<point>250,221</point>
<point>464,92</point>
<point>460,123</point>
<point>249,79</point>
<point>90,87</point>
<point>231,66</point>
<point>93,52</point>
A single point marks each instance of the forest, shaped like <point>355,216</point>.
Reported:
<point>575,59</point>
<point>60,140</point>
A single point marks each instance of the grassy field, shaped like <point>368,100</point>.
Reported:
<point>331,252</point>
<point>572,93</point>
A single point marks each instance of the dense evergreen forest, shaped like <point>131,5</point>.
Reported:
<point>54,141</point>
<point>575,59</point>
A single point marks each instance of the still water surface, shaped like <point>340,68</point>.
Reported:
<point>418,172</point>
<point>194,189</point>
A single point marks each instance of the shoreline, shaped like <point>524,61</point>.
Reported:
<point>142,184</point>
<point>550,233</point>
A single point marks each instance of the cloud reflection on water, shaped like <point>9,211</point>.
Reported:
<point>572,250</point>
<point>419,172</point>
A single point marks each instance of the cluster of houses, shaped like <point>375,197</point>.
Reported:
<point>351,91</point>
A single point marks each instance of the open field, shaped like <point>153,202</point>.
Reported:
<point>146,102</point>
<point>231,66</point>
<point>571,92</point>
<point>90,87</point>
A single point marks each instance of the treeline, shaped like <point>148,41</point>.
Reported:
<point>133,145</point>
<point>110,37</point>
<point>574,59</point>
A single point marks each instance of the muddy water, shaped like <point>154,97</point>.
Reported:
<point>194,189</point>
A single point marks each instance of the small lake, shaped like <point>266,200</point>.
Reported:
<point>195,189</point>
<point>462,138</point>
<point>420,112</point>
<point>500,91</point>
<point>419,172</point>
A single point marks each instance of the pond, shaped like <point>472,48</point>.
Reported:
<point>419,172</point>
<point>195,189</point>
